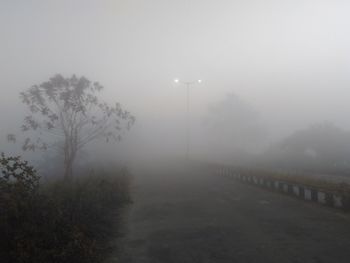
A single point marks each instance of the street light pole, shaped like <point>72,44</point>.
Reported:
<point>188,122</point>
<point>188,85</point>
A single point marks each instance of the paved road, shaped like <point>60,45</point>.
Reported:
<point>188,215</point>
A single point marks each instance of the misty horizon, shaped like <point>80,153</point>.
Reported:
<point>289,60</point>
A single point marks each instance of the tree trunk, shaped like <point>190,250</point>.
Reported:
<point>68,164</point>
<point>70,151</point>
<point>68,170</point>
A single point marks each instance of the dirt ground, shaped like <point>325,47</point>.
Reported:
<point>187,214</point>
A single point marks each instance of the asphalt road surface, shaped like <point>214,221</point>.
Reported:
<point>189,215</point>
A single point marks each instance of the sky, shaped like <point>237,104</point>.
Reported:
<point>290,59</point>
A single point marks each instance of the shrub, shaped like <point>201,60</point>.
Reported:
<point>18,189</point>
<point>59,221</point>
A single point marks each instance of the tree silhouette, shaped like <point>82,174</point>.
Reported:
<point>322,147</point>
<point>67,114</point>
<point>233,125</point>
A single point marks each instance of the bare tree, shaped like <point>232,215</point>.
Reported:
<point>67,114</point>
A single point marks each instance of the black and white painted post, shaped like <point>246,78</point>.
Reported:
<point>303,192</point>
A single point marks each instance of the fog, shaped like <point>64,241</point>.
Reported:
<point>287,61</point>
<point>174,131</point>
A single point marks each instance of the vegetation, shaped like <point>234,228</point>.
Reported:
<point>322,148</point>
<point>58,221</point>
<point>233,126</point>
<point>66,114</point>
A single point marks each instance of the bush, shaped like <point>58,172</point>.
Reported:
<point>60,221</point>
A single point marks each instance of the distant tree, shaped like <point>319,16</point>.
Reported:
<point>66,114</point>
<point>233,125</point>
<point>321,147</point>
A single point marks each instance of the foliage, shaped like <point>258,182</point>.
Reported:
<point>233,125</point>
<point>321,148</point>
<point>58,221</point>
<point>67,114</point>
<point>17,176</point>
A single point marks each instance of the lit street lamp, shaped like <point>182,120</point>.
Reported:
<point>188,85</point>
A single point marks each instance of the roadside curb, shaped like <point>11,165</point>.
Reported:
<point>301,191</point>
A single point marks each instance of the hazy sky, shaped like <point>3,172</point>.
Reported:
<point>290,59</point>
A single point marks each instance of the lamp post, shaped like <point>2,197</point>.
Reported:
<point>188,84</point>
